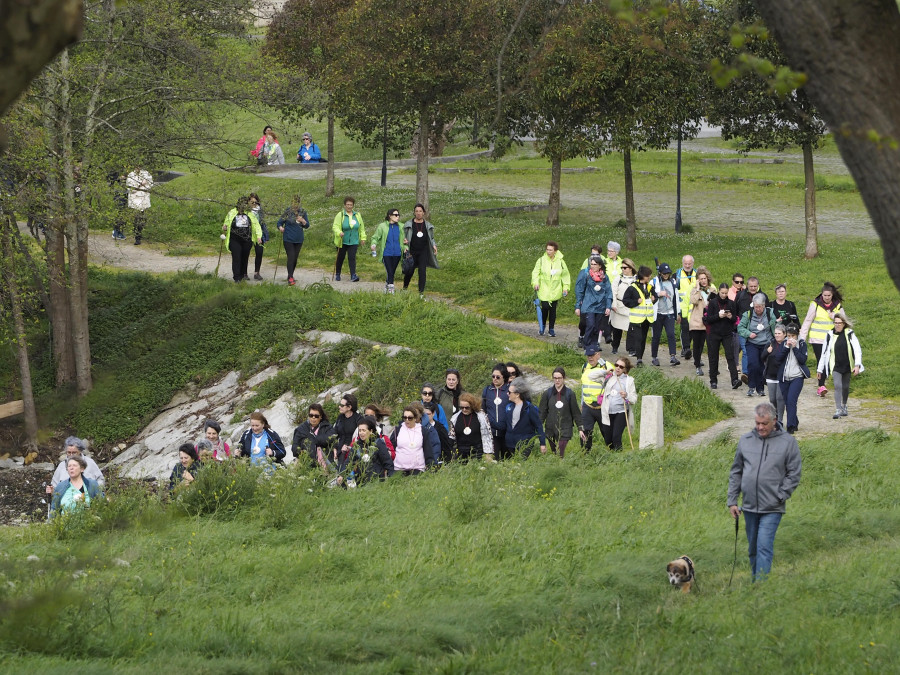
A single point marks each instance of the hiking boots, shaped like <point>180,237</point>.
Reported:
<point>674,361</point>
<point>257,276</point>
<point>654,361</point>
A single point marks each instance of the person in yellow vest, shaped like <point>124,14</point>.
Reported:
<point>593,379</point>
<point>550,278</point>
<point>818,322</point>
<point>685,280</point>
<point>641,299</point>
<point>613,265</point>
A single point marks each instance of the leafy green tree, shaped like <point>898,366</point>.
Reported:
<point>751,110</point>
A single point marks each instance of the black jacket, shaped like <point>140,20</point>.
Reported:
<point>307,441</point>
<point>380,464</point>
<point>720,326</point>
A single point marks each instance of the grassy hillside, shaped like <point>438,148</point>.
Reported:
<point>537,566</point>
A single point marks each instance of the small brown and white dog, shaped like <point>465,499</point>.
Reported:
<point>681,573</point>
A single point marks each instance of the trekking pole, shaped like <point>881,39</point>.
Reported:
<point>337,252</point>
<point>221,247</point>
<point>737,525</point>
<point>628,426</point>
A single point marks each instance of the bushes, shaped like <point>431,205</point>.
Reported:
<point>220,489</point>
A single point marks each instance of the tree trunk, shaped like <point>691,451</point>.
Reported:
<point>630,224</point>
<point>850,52</point>
<point>329,172</point>
<point>809,203</point>
<point>555,174</point>
<point>76,242</point>
<point>422,163</point>
<point>15,300</point>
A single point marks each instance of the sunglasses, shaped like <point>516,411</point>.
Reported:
<point>315,415</point>
<point>619,365</point>
<point>408,418</point>
<point>427,393</point>
<point>465,408</point>
<point>343,405</point>
<point>738,283</point>
<point>395,215</point>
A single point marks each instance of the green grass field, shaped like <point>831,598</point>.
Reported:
<point>537,566</point>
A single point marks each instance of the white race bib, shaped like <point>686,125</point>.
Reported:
<point>498,401</point>
<point>419,234</point>
<point>559,404</point>
<point>554,272</point>
<point>759,326</point>
<point>352,223</point>
<point>467,431</point>
<point>597,287</point>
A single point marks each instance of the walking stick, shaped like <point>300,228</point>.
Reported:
<point>337,252</point>
<point>628,426</point>
<point>221,246</point>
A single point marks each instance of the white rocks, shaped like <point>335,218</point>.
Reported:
<point>297,351</point>
<point>262,376</point>
<point>227,384</point>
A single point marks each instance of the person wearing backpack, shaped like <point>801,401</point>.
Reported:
<point>757,327</point>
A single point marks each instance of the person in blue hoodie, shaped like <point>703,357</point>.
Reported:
<point>593,300</point>
<point>523,421</point>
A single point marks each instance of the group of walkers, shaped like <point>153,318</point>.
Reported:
<point>613,296</point>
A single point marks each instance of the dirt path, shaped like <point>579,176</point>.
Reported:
<point>814,412</point>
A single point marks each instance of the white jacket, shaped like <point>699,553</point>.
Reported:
<point>139,184</point>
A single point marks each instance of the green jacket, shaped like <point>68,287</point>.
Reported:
<point>552,276</point>
<point>255,229</point>
<point>379,239</point>
<point>354,235</point>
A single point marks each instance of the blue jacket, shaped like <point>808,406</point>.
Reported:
<point>315,154</point>
<point>293,231</point>
<point>780,354</point>
<point>528,427</point>
<point>496,412</point>
<point>274,443</point>
<point>591,301</point>
<point>92,488</point>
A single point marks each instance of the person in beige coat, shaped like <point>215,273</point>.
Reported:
<point>619,397</point>
<point>699,299</point>
<point>619,314</point>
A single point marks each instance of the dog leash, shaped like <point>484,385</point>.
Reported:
<point>737,525</point>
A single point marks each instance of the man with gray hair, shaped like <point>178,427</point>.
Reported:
<point>756,327</point>
<point>766,471</point>
<point>76,447</point>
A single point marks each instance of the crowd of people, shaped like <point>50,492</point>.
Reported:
<point>764,341</point>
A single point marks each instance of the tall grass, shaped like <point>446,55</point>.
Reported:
<point>542,565</point>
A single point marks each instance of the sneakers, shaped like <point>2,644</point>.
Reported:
<point>751,392</point>
<point>337,277</point>
<point>391,289</point>
<point>686,353</point>
<point>844,412</point>
<point>541,330</point>
<point>581,342</point>
<point>821,391</point>
<point>744,378</point>
<point>552,333</point>
<point>700,372</point>
<point>639,364</point>
<point>118,235</point>
<point>615,351</point>
<point>713,385</point>
<point>257,276</point>
<point>246,278</point>
<point>291,281</point>
<point>735,384</point>
<point>654,361</point>
<point>354,278</point>
<point>674,361</point>
<point>837,414</point>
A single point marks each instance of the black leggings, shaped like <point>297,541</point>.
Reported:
<point>637,333</point>
<point>292,252</point>
<point>348,250</point>
<point>548,311</point>
<point>257,265</point>
<point>613,433</point>
<point>421,259</point>
<point>390,266</point>
<point>616,337</point>
<point>817,350</point>
<point>695,344</point>
<point>240,256</point>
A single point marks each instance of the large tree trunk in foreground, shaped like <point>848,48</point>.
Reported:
<point>851,53</point>
<point>12,288</point>
<point>329,172</point>
<point>809,203</point>
<point>422,163</point>
<point>555,176</point>
<point>630,223</point>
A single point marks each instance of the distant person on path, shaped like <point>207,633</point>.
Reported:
<point>120,202</point>
<point>667,312</point>
<point>241,230</point>
<point>613,267</point>
<point>619,399</point>
<point>387,243</point>
<point>776,397</point>
<point>256,209</point>
<point>766,471</point>
<point>641,299</point>
<point>791,356</point>
<point>619,314</point>
<point>593,299</point>
<point>685,280</point>
<point>523,422</point>
<point>349,230</point>
<point>418,234</point>
<point>75,490</point>
<point>494,398</point>
<point>819,320</point>
<point>785,310</point>
<point>309,152</point>
<point>841,358</point>
<point>720,317</point>
<point>292,224</point>
<point>701,291</point>
<point>139,183</point>
<point>75,447</point>
<point>550,279</point>
<point>744,303</point>
<point>582,321</point>
<point>756,327</point>
<point>560,413</point>
<point>261,144</point>
<point>274,153</point>
<point>593,379</point>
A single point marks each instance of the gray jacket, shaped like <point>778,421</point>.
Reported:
<point>765,470</point>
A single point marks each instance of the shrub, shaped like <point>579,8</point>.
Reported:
<point>220,489</point>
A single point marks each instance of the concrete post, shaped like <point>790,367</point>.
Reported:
<point>651,422</point>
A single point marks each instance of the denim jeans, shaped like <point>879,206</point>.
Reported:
<point>791,392</point>
<point>761,528</point>
<point>754,365</point>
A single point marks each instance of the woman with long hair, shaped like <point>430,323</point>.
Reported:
<point>841,357</point>
<point>292,224</point>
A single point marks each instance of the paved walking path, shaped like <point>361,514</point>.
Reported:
<point>814,412</point>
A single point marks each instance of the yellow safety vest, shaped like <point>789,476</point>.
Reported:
<point>644,311</point>
<point>685,285</point>
<point>822,324</point>
<point>613,268</point>
<point>590,390</point>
